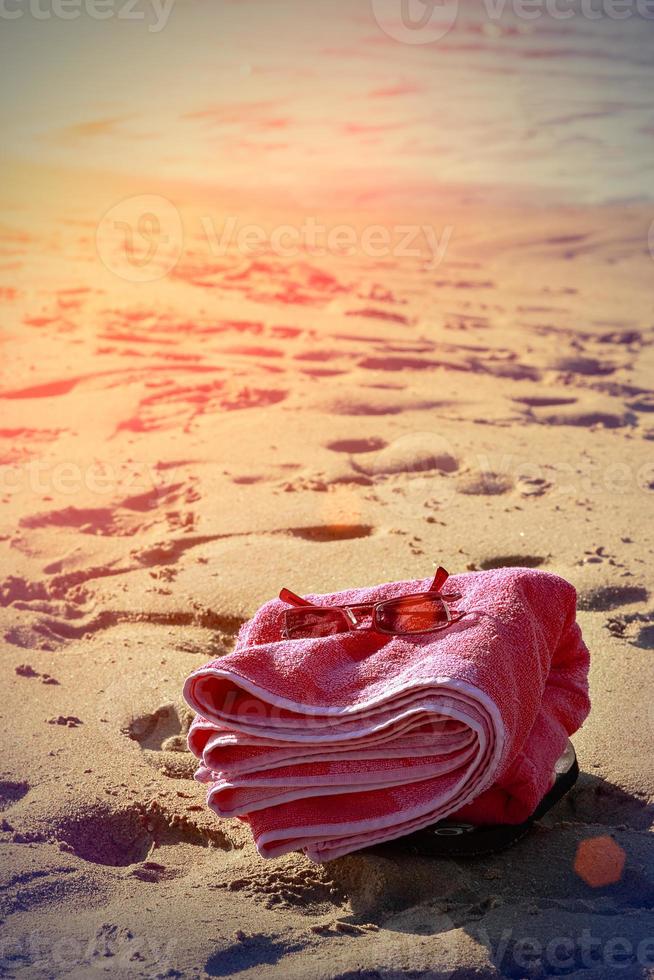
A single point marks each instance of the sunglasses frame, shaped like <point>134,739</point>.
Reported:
<point>352,623</point>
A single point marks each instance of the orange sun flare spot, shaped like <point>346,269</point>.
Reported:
<point>600,861</point>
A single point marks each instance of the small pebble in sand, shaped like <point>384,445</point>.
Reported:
<point>26,670</point>
<point>69,720</point>
<point>348,928</point>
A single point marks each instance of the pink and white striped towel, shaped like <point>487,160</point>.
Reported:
<point>336,743</point>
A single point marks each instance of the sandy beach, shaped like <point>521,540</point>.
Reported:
<point>178,440</point>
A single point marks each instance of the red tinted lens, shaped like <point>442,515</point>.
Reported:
<point>314,621</point>
<point>413,614</point>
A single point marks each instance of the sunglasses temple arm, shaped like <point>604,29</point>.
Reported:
<point>440,578</point>
<point>295,600</point>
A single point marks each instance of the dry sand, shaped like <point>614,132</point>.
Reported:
<point>173,452</point>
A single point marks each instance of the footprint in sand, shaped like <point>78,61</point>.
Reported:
<point>253,351</point>
<point>642,403</point>
<point>124,836</point>
<point>512,561</point>
<point>373,401</point>
<point>126,517</point>
<point>577,364</point>
<point>598,411</point>
<point>176,406</point>
<point>512,370</point>
<point>11,792</point>
<point>638,628</point>
<point>416,452</point>
<point>291,884</point>
<point>606,597</point>
<point>19,444</point>
<point>623,337</point>
<point>322,372</point>
<point>246,397</point>
<point>645,638</point>
<point>389,879</point>
<point>162,736</point>
<point>372,313</point>
<point>484,483</point>
<point>389,363</point>
<point>355,446</point>
<point>101,835</point>
<point>248,479</point>
<point>320,355</point>
<point>332,532</point>
<point>544,401</point>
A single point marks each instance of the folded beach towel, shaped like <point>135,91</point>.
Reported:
<point>330,744</point>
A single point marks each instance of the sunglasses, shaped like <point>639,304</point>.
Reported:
<point>420,612</point>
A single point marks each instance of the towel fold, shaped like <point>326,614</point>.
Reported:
<point>335,743</point>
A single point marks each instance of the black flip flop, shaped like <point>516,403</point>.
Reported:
<point>450,839</point>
